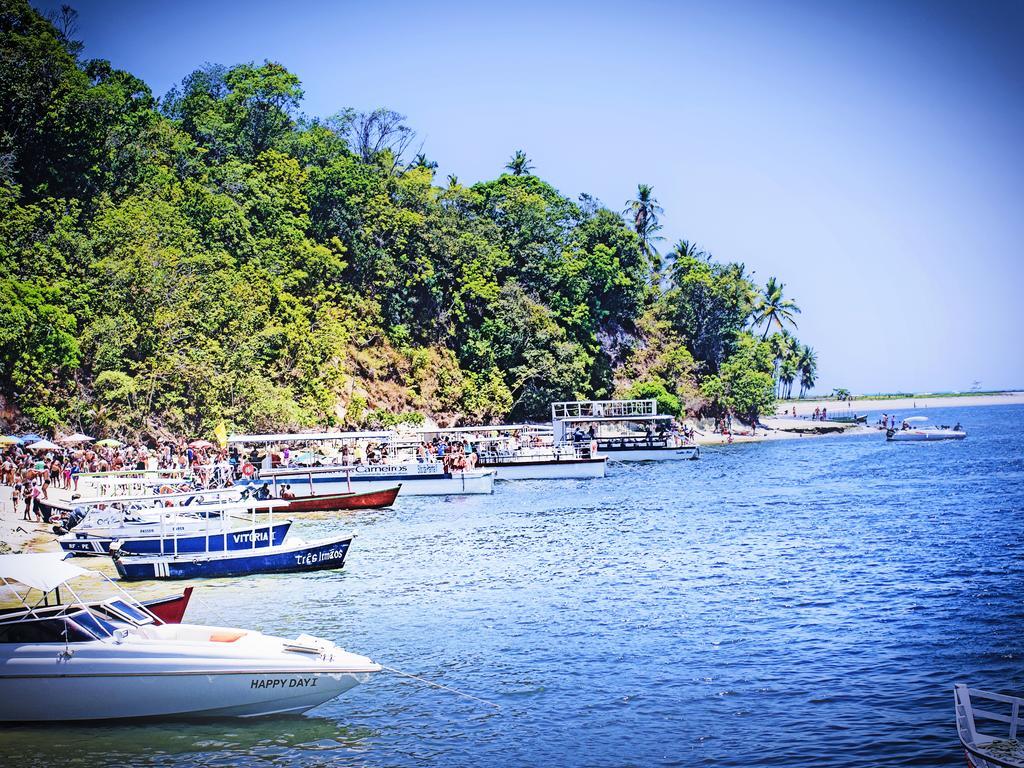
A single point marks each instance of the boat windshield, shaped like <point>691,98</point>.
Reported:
<point>121,609</point>
<point>80,627</point>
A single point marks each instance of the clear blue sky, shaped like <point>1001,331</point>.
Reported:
<point>869,154</point>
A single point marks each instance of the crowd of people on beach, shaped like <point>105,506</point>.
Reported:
<point>32,474</point>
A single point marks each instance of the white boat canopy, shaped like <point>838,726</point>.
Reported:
<point>43,571</point>
<point>916,418</point>
<point>310,437</point>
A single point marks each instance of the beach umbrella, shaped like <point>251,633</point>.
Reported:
<point>9,440</point>
<point>200,444</point>
<point>26,439</point>
<point>109,443</point>
<point>76,438</point>
<point>43,445</point>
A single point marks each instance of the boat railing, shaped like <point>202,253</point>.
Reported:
<point>968,713</point>
<point>608,409</point>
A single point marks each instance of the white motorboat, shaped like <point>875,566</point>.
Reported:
<point>1001,749</point>
<point>105,660</point>
<point>623,430</point>
<point>94,523</point>
<point>910,433</point>
<point>349,471</point>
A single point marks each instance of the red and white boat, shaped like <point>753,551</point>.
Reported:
<point>336,502</point>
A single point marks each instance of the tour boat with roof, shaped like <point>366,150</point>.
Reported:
<point>1000,745</point>
<point>623,430</point>
<point>74,659</point>
<point>524,452</point>
<point>358,461</point>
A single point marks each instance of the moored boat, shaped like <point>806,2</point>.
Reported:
<point>337,502</point>
<point>231,539</point>
<point>75,661</point>
<point>291,556</point>
<point>366,461</point>
<point>622,430</point>
<point>171,609</point>
<point>1002,749</point>
<point>524,452</point>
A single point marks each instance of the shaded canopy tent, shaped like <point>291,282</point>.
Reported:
<point>43,445</point>
<point>76,439</point>
<point>44,571</point>
<point>109,443</point>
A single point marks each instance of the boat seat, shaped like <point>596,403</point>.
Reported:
<point>225,637</point>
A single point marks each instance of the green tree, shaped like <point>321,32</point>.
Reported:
<point>773,310</point>
<point>642,213</point>
<point>520,164</point>
<point>807,364</point>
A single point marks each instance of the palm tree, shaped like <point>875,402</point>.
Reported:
<point>787,375</point>
<point>783,346</point>
<point>807,363</point>
<point>774,310</point>
<point>642,211</point>
<point>520,164</point>
<point>421,161</point>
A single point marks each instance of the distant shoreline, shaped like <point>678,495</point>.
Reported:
<point>900,403</point>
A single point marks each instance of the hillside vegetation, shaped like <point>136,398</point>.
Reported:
<point>216,254</point>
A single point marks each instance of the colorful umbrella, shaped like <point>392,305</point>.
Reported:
<point>9,440</point>
<point>26,439</point>
<point>200,444</point>
<point>109,443</point>
<point>43,445</point>
<point>76,438</point>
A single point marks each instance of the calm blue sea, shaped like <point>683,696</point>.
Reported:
<point>807,602</point>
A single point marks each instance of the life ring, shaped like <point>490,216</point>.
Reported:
<point>166,489</point>
<point>248,470</point>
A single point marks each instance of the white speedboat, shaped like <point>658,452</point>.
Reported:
<point>77,660</point>
<point>910,433</point>
<point>999,746</point>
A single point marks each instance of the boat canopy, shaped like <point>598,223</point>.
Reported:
<point>608,409</point>
<point>43,571</point>
<point>916,418</point>
<point>310,437</point>
<point>485,428</point>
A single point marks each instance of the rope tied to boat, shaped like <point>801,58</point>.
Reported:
<point>439,685</point>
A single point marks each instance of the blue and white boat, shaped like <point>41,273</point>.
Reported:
<point>239,538</point>
<point>296,555</point>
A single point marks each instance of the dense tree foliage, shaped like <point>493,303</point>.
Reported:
<point>216,254</point>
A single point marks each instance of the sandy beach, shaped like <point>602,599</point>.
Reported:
<point>22,535</point>
<point>806,407</point>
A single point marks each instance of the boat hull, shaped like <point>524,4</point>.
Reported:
<point>548,469</point>
<point>179,694</point>
<point>340,501</point>
<point>415,479</point>
<point>684,453</point>
<point>170,610</point>
<point>239,539</point>
<point>923,435</point>
<point>325,554</point>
